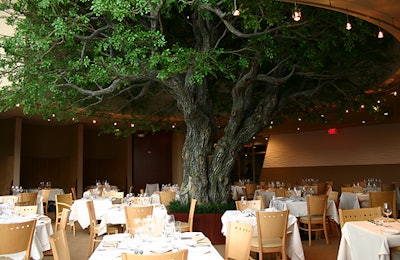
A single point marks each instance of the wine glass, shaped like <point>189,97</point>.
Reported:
<point>387,211</point>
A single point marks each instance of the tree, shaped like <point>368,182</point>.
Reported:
<point>227,76</point>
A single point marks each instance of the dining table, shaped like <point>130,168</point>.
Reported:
<point>41,236</point>
<point>294,247</point>
<point>80,213</point>
<point>16,198</point>
<point>116,215</point>
<point>52,195</point>
<point>298,207</point>
<point>369,240</point>
<point>351,200</point>
<point>198,245</point>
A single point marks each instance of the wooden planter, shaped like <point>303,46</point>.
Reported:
<point>210,224</point>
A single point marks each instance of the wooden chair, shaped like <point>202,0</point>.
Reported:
<point>130,189</point>
<point>347,189</point>
<point>115,194</point>
<point>188,226</point>
<point>64,219</point>
<point>45,196</point>
<point>377,198</point>
<point>59,245</point>
<point>346,215</point>
<point>142,200</point>
<point>238,241</point>
<point>132,213</point>
<point>250,190</point>
<point>322,188</point>
<point>63,201</point>
<point>178,255</point>
<point>73,191</point>
<point>26,210</point>
<point>17,237</point>
<point>94,228</point>
<point>250,204</point>
<point>334,195</point>
<point>261,198</point>
<point>281,192</point>
<point>271,238</point>
<point>166,197</point>
<point>30,197</point>
<point>315,220</point>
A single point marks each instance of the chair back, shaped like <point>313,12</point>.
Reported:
<point>334,195</point>
<point>73,191</point>
<point>346,215</point>
<point>166,197</point>
<point>26,210</point>
<point>249,204</point>
<point>316,205</point>
<point>272,224</point>
<point>64,219</point>
<point>377,198</point>
<point>346,189</point>
<point>261,198</point>
<point>17,237</point>
<point>178,255</point>
<point>238,241</point>
<point>30,197</point>
<point>91,212</point>
<point>250,190</point>
<point>9,198</point>
<point>191,214</point>
<point>134,213</point>
<point>142,200</point>
<point>63,201</point>
<point>322,188</point>
<point>281,192</point>
<point>151,188</point>
<point>115,194</point>
<point>45,195</point>
<point>59,245</point>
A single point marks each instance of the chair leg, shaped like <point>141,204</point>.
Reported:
<point>91,245</point>
<point>309,235</point>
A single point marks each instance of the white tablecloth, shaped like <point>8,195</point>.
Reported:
<point>365,240</point>
<point>299,207</point>
<point>116,215</point>
<point>41,240</point>
<point>156,244</point>
<point>349,200</point>
<point>294,247</point>
<point>266,194</point>
<point>79,211</point>
<point>237,192</point>
<point>53,192</point>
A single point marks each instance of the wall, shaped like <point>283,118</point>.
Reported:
<point>352,154</point>
<point>7,129</point>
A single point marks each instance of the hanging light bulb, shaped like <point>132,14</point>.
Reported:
<point>348,24</point>
<point>380,34</point>
<point>296,13</point>
<point>236,11</point>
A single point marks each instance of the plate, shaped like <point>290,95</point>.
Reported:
<point>389,231</point>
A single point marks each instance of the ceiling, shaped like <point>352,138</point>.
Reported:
<point>383,13</point>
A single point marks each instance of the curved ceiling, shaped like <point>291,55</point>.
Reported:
<point>383,13</point>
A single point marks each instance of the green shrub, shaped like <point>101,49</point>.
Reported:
<point>177,206</point>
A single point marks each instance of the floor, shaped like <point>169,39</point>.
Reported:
<point>78,246</point>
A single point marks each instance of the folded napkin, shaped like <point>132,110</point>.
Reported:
<point>199,239</point>
<point>110,244</point>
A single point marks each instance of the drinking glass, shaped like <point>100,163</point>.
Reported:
<point>387,211</point>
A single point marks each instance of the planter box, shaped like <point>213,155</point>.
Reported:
<point>210,224</point>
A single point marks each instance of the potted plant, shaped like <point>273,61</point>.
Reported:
<point>207,217</point>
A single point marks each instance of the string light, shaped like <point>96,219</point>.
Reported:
<point>348,24</point>
<point>236,11</point>
<point>296,13</point>
<point>380,33</point>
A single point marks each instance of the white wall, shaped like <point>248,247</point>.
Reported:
<point>365,145</point>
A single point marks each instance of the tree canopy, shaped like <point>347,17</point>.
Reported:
<point>157,60</point>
